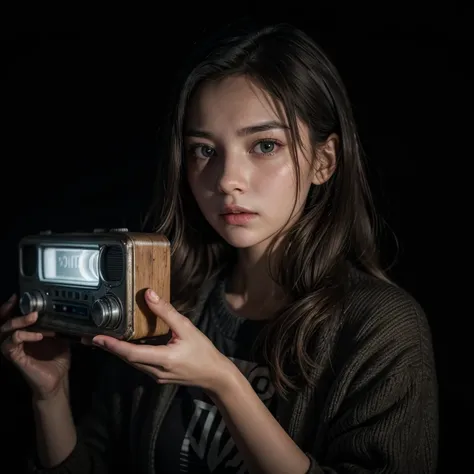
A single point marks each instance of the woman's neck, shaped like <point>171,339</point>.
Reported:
<point>251,291</point>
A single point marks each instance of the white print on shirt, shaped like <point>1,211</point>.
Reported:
<point>207,436</point>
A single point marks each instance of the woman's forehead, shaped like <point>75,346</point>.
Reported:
<point>236,102</point>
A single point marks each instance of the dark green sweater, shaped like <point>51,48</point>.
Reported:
<point>374,411</point>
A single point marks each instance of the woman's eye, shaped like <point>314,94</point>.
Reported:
<point>263,147</point>
<point>202,151</point>
<point>266,147</point>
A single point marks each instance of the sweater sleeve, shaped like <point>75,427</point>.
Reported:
<point>388,430</point>
<point>95,432</point>
<point>384,413</point>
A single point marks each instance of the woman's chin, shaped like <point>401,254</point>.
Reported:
<point>241,238</point>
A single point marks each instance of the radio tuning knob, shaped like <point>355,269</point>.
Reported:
<point>32,301</point>
<point>106,312</point>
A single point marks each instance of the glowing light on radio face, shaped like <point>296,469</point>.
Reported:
<point>70,265</point>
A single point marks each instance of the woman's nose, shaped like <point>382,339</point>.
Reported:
<point>232,175</point>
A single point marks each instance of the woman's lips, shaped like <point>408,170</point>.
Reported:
<point>238,218</point>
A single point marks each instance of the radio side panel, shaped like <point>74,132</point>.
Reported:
<point>152,268</point>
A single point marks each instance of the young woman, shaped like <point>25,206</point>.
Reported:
<point>290,350</point>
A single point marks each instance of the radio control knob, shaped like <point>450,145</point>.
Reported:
<point>32,301</point>
<point>106,312</point>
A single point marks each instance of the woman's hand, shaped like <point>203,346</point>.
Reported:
<point>189,358</point>
<point>43,361</point>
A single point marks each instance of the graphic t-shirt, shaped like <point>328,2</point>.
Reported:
<point>193,437</point>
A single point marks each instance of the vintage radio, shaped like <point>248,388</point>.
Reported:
<point>85,284</point>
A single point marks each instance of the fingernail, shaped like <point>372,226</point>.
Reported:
<point>152,296</point>
<point>12,298</point>
<point>98,342</point>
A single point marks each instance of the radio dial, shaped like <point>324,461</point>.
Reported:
<point>32,301</point>
<point>106,313</point>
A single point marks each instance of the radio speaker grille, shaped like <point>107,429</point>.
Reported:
<point>28,260</point>
<point>112,263</point>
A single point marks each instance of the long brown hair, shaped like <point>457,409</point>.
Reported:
<point>337,225</point>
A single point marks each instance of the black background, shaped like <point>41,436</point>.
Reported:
<point>81,115</point>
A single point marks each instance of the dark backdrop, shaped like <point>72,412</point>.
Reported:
<point>81,111</point>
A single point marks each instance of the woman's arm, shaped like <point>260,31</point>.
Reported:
<point>60,448</point>
<point>55,430</point>
<point>264,445</point>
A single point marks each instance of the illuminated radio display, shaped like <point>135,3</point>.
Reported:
<point>69,265</point>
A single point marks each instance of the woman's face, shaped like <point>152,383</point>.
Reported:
<point>239,165</point>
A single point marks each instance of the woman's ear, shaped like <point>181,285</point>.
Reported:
<point>325,160</point>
